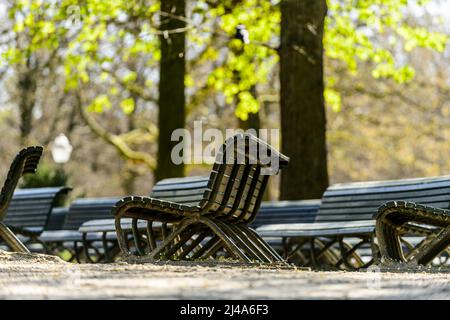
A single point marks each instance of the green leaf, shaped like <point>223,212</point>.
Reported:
<point>99,104</point>
<point>333,99</point>
<point>130,77</point>
<point>127,105</point>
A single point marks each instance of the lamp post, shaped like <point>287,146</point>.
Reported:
<point>61,149</point>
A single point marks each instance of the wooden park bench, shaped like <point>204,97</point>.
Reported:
<point>30,211</point>
<point>26,161</point>
<point>269,213</point>
<point>345,223</point>
<point>221,212</point>
<point>66,237</point>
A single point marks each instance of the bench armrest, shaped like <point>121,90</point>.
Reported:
<point>25,162</point>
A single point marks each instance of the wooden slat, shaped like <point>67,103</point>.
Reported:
<point>391,195</point>
<point>383,189</point>
<point>359,201</point>
<point>387,183</point>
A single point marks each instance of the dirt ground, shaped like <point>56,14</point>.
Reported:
<point>45,277</point>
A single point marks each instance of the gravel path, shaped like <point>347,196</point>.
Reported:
<point>45,277</point>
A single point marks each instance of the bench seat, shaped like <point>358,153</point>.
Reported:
<point>319,229</point>
<point>67,236</point>
<point>269,212</point>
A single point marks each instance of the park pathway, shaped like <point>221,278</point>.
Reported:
<point>45,277</point>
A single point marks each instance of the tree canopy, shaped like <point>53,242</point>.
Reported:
<point>104,56</point>
<point>96,36</point>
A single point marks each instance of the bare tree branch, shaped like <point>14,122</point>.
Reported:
<point>116,141</point>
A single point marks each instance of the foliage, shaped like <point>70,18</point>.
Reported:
<point>46,176</point>
<point>245,65</point>
<point>351,36</point>
<point>117,32</point>
<point>92,38</point>
<point>108,56</point>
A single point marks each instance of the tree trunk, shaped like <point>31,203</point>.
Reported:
<point>253,121</point>
<point>27,99</point>
<point>303,122</point>
<point>171,87</point>
<point>129,174</point>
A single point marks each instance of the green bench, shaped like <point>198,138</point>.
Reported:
<point>26,161</point>
<point>345,224</point>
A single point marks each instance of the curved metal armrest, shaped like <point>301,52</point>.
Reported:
<point>400,212</point>
<point>128,207</point>
<point>26,161</point>
<point>395,215</point>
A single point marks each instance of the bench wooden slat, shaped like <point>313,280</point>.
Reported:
<point>359,201</point>
<point>31,208</point>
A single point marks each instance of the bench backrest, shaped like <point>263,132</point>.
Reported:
<point>235,186</point>
<point>360,200</point>
<point>30,209</point>
<point>188,190</point>
<point>237,183</point>
<point>85,209</point>
<point>282,212</point>
<point>57,217</point>
<point>26,161</point>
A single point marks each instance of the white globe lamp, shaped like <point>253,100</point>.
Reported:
<point>61,149</point>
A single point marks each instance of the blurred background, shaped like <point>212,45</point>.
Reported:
<point>116,77</point>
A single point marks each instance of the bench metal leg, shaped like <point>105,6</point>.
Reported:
<point>350,252</point>
<point>245,246</point>
<point>213,249</point>
<point>151,236</point>
<point>434,248</point>
<point>293,247</point>
<point>137,237</point>
<point>228,242</point>
<point>194,243</point>
<point>106,253</point>
<point>77,252</point>
<point>186,236</point>
<point>322,252</point>
<point>168,240</point>
<point>34,240</point>
<point>11,240</point>
<point>181,240</point>
<point>229,238</point>
<point>89,244</point>
<point>213,242</point>
<point>261,244</point>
